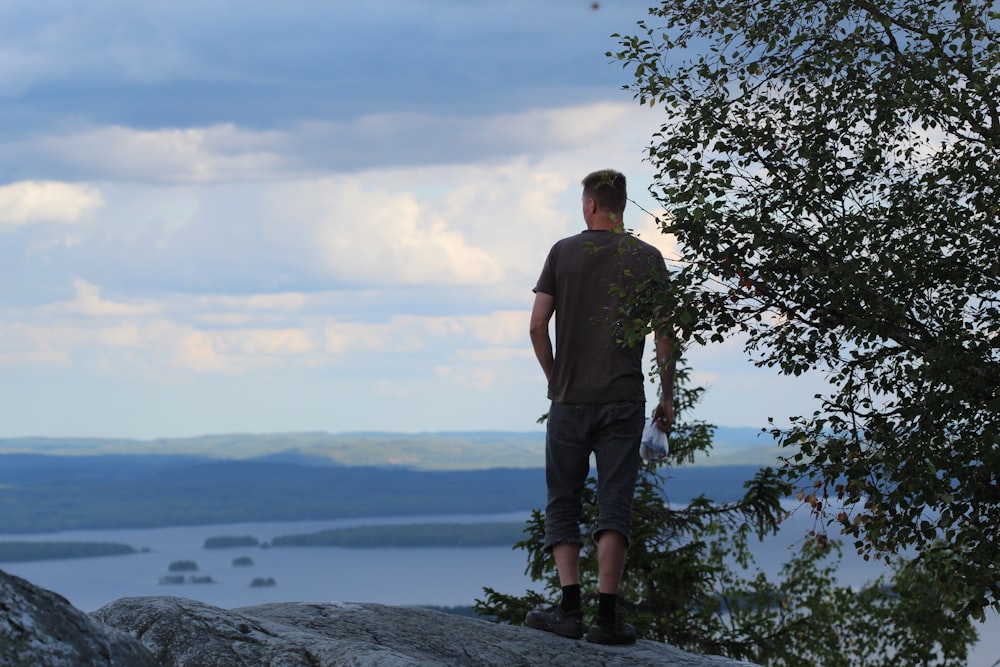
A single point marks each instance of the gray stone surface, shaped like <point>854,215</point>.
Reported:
<point>40,628</point>
<point>186,633</point>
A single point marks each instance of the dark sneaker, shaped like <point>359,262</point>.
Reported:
<point>617,633</point>
<point>554,619</point>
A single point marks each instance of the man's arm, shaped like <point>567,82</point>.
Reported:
<point>664,412</point>
<point>541,313</point>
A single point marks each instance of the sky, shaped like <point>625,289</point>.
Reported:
<point>255,217</point>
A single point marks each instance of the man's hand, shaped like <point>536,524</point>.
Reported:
<point>663,415</point>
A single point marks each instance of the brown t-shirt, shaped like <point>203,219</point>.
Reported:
<point>592,277</point>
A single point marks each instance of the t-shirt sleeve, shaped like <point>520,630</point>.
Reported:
<point>547,280</point>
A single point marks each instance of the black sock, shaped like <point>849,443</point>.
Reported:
<point>570,597</point>
<point>606,603</point>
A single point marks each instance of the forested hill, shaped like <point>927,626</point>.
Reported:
<point>427,451</point>
<point>45,493</point>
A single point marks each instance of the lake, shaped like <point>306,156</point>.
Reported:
<point>415,576</point>
<point>396,576</point>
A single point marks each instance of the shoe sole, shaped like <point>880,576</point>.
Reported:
<point>569,632</point>
<point>614,642</point>
<point>603,638</point>
<point>573,634</point>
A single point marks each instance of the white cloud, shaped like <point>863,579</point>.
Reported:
<point>410,333</point>
<point>265,217</point>
<point>498,356</point>
<point>374,236</point>
<point>439,226</point>
<point>31,344</point>
<point>213,154</point>
<point>28,202</point>
<point>238,351</point>
<point>159,350</point>
<point>498,328</point>
<point>288,302</point>
<point>128,335</point>
<point>240,311</point>
<point>477,379</point>
<point>487,223</point>
<point>563,127</point>
<point>88,301</point>
<point>398,335</point>
<point>357,258</point>
<point>228,153</point>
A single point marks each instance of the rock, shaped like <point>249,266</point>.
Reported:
<point>186,633</point>
<point>39,627</point>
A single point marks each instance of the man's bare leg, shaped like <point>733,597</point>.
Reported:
<point>565,618</point>
<point>608,628</point>
<point>567,557</point>
<point>612,549</point>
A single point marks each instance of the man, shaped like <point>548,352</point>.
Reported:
<point>596,386</point>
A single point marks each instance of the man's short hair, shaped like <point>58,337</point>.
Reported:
<point>607,188</point>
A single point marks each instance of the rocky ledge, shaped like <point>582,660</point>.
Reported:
<point>38,627</point>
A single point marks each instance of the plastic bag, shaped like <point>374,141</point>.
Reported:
<point>654,444</point>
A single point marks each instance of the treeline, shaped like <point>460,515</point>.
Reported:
<point>57,493</point>
<point>427,451</point>
<point>411,535</point>
<point>12,552</point>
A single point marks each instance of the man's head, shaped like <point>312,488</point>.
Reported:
<point>604,197</point>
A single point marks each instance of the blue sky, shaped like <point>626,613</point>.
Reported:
<point>263,217</point>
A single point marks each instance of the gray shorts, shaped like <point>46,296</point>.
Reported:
<point>611,431</point>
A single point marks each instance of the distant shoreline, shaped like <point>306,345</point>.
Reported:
<point>216,480</point>
<point>443,450</point>
<point>22,552</point>
<point>376,536</point>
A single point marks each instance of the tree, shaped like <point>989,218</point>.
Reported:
<point>691,580</point>
<point>831,173</point>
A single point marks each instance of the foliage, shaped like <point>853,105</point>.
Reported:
<point>831,172</point>
<point>691,579</point>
